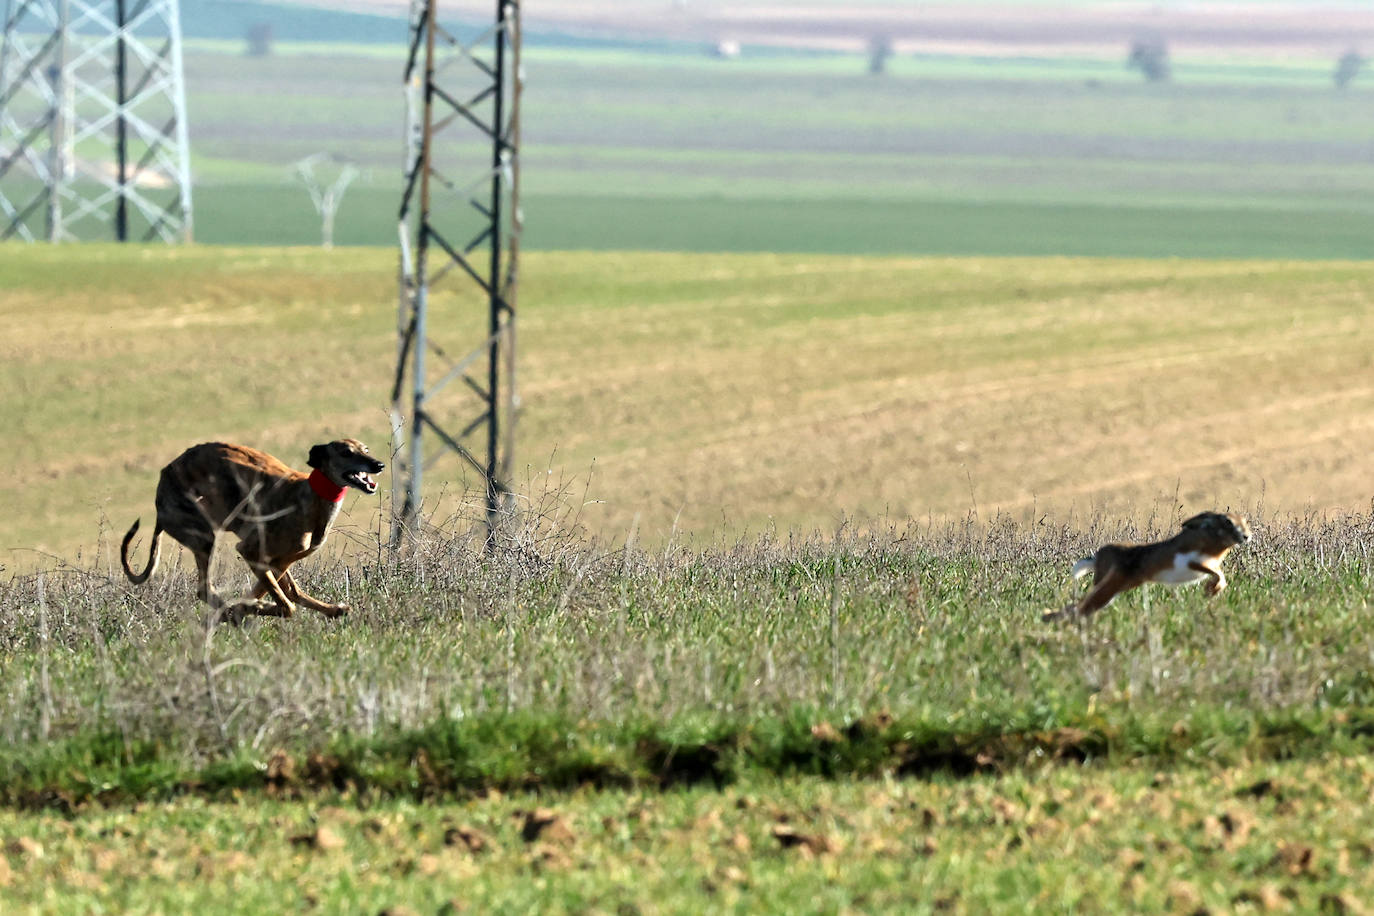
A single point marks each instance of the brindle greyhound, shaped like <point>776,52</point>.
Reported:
<point>280,515</point>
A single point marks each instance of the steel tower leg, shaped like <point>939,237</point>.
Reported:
<point>473,88</point>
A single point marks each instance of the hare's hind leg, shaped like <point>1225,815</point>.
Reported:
<point>1103,592</point>
<point>1106,586</point>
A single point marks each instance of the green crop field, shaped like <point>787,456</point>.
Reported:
<point>767,635</point>
<point>632,149</point>
<point>671,150</point>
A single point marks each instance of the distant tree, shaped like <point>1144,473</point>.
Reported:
<point>258,40</point>
<point>879,50</point>
<point>1348,67</point>
<point>1151,57</point>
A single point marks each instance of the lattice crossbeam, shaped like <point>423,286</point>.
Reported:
<point>93,121</point>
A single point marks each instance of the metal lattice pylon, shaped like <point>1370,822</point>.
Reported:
<point>93,121</point>
<point>459,233</point>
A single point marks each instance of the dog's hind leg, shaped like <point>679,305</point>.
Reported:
<point>1065,611</point>
<point>203,590</point>
<point>182,515</point>
<point>219,610</point>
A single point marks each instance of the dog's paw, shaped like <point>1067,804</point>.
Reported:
<point>235,614</point>
<point>336,610</point>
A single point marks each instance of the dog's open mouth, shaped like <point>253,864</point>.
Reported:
<point>361,481</point>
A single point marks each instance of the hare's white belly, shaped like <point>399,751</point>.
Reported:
<point>1180,573</point>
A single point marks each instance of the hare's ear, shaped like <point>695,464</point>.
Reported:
<point>1201,520</point>
<point>319,456</point>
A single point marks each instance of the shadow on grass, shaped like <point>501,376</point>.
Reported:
<point>531,753</point>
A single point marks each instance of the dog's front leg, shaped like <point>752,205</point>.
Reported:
<point>267,582</point>
<point>288,582</point>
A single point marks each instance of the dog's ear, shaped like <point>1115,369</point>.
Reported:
<point>319,456</point>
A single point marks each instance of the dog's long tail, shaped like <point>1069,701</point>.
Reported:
<point>1084,567</point>
<point>153,553</point>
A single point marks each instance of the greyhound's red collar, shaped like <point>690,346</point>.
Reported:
<point>324,488</point>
